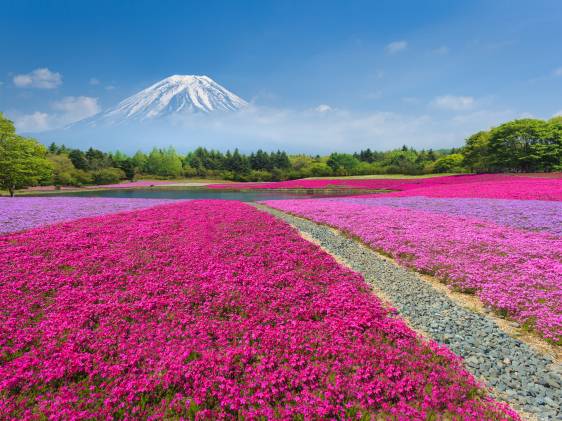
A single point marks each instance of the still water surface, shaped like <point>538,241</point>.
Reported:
<point>243,196</point>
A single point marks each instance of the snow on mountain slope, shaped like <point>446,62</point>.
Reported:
<point>173,95</point>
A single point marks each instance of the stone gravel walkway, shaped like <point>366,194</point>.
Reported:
<point>517,374</point>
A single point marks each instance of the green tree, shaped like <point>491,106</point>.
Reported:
<point>78,159</point>
<point>108,175</point>
<point>23,162</point>
<point>171,163</point>
<point>526,145</point>
<point>154,161</point>
<point>476,152</point>
<point>139,160</point>
<point>342,163</point>
<point>449,163</point>
<point>63,170</point>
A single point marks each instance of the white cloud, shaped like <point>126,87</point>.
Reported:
<point>296,131</point>
<point>66,111</point>
<point>38,78</point>
<point>94,81</point>
<point>441,50</point>
<point>396,46</point>
<point>77,108</point>
<point>109,88</point>
<point>323,108</point>
<point>36,122</point>
<point>558,114</point>
<point>558,72</point>
<point>310,131</point>
<point>454,103</point>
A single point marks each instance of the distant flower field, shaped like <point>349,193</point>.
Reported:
<point>470,245</point>
<point>210,309</point>
<point>496,186</point>
<point>534,215</point>
<point>21,213</point>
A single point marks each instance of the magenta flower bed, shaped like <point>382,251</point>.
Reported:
<point>375,184</point>
<point>534,215</point>
<point>208,309</point>
<point>521,188</point>
<point>516,272</point>
<point>21,213</point>
<point>496,186</point>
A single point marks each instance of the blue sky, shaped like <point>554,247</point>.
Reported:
<point>389,72</point>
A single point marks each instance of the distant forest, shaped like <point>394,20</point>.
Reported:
<point>526,145</point>
<point>77,167</point>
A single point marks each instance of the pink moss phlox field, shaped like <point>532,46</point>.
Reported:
<point>20,213</point>
<point>208,310</point>
<point>521,188</point>
<point>498,186</point>
<point>376,184</point>
<point>516,272</point>
<point>535,215</point>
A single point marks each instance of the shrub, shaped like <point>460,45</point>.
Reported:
<point>108,175</point>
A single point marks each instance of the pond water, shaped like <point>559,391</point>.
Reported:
<point>243,196</point>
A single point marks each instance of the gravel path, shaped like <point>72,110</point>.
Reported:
<point>519,375</point>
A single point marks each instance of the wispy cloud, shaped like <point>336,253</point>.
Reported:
<point>35,122</point>
<point>39,78</point>
<point>396,46</point>
<point>65,111</point>
<point>77,107</point>
<point>94,81</point>
<point>558,71</point>
<point>323,108</point>
<point>453,103</point>
<point>441,50</point>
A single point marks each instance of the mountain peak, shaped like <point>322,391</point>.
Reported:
<point>176,94</point>
<point>187,78</point>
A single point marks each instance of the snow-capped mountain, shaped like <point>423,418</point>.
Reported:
<point>173,95</point>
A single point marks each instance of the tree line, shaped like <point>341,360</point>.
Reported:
<point>526,145</point>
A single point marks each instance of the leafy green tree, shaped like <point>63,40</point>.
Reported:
<point>342,163</point>
<point>108,175</point>
<point>449,164</point>
<point>237,163</point>
<point>476,152</point>
<point>126,164</point>
<point>526,145</point>
<point>78,159</point>
<point>63,170</point>
<point>171,163</point>
<point>139,161</point>
<point>320,169</point>
<point>7,128</point>
<point>280,160</point>
<point>98,159</point>
<point>23,162</point>
<point>154,161</point>
<point>166,163</point>
<point>401,161</point>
